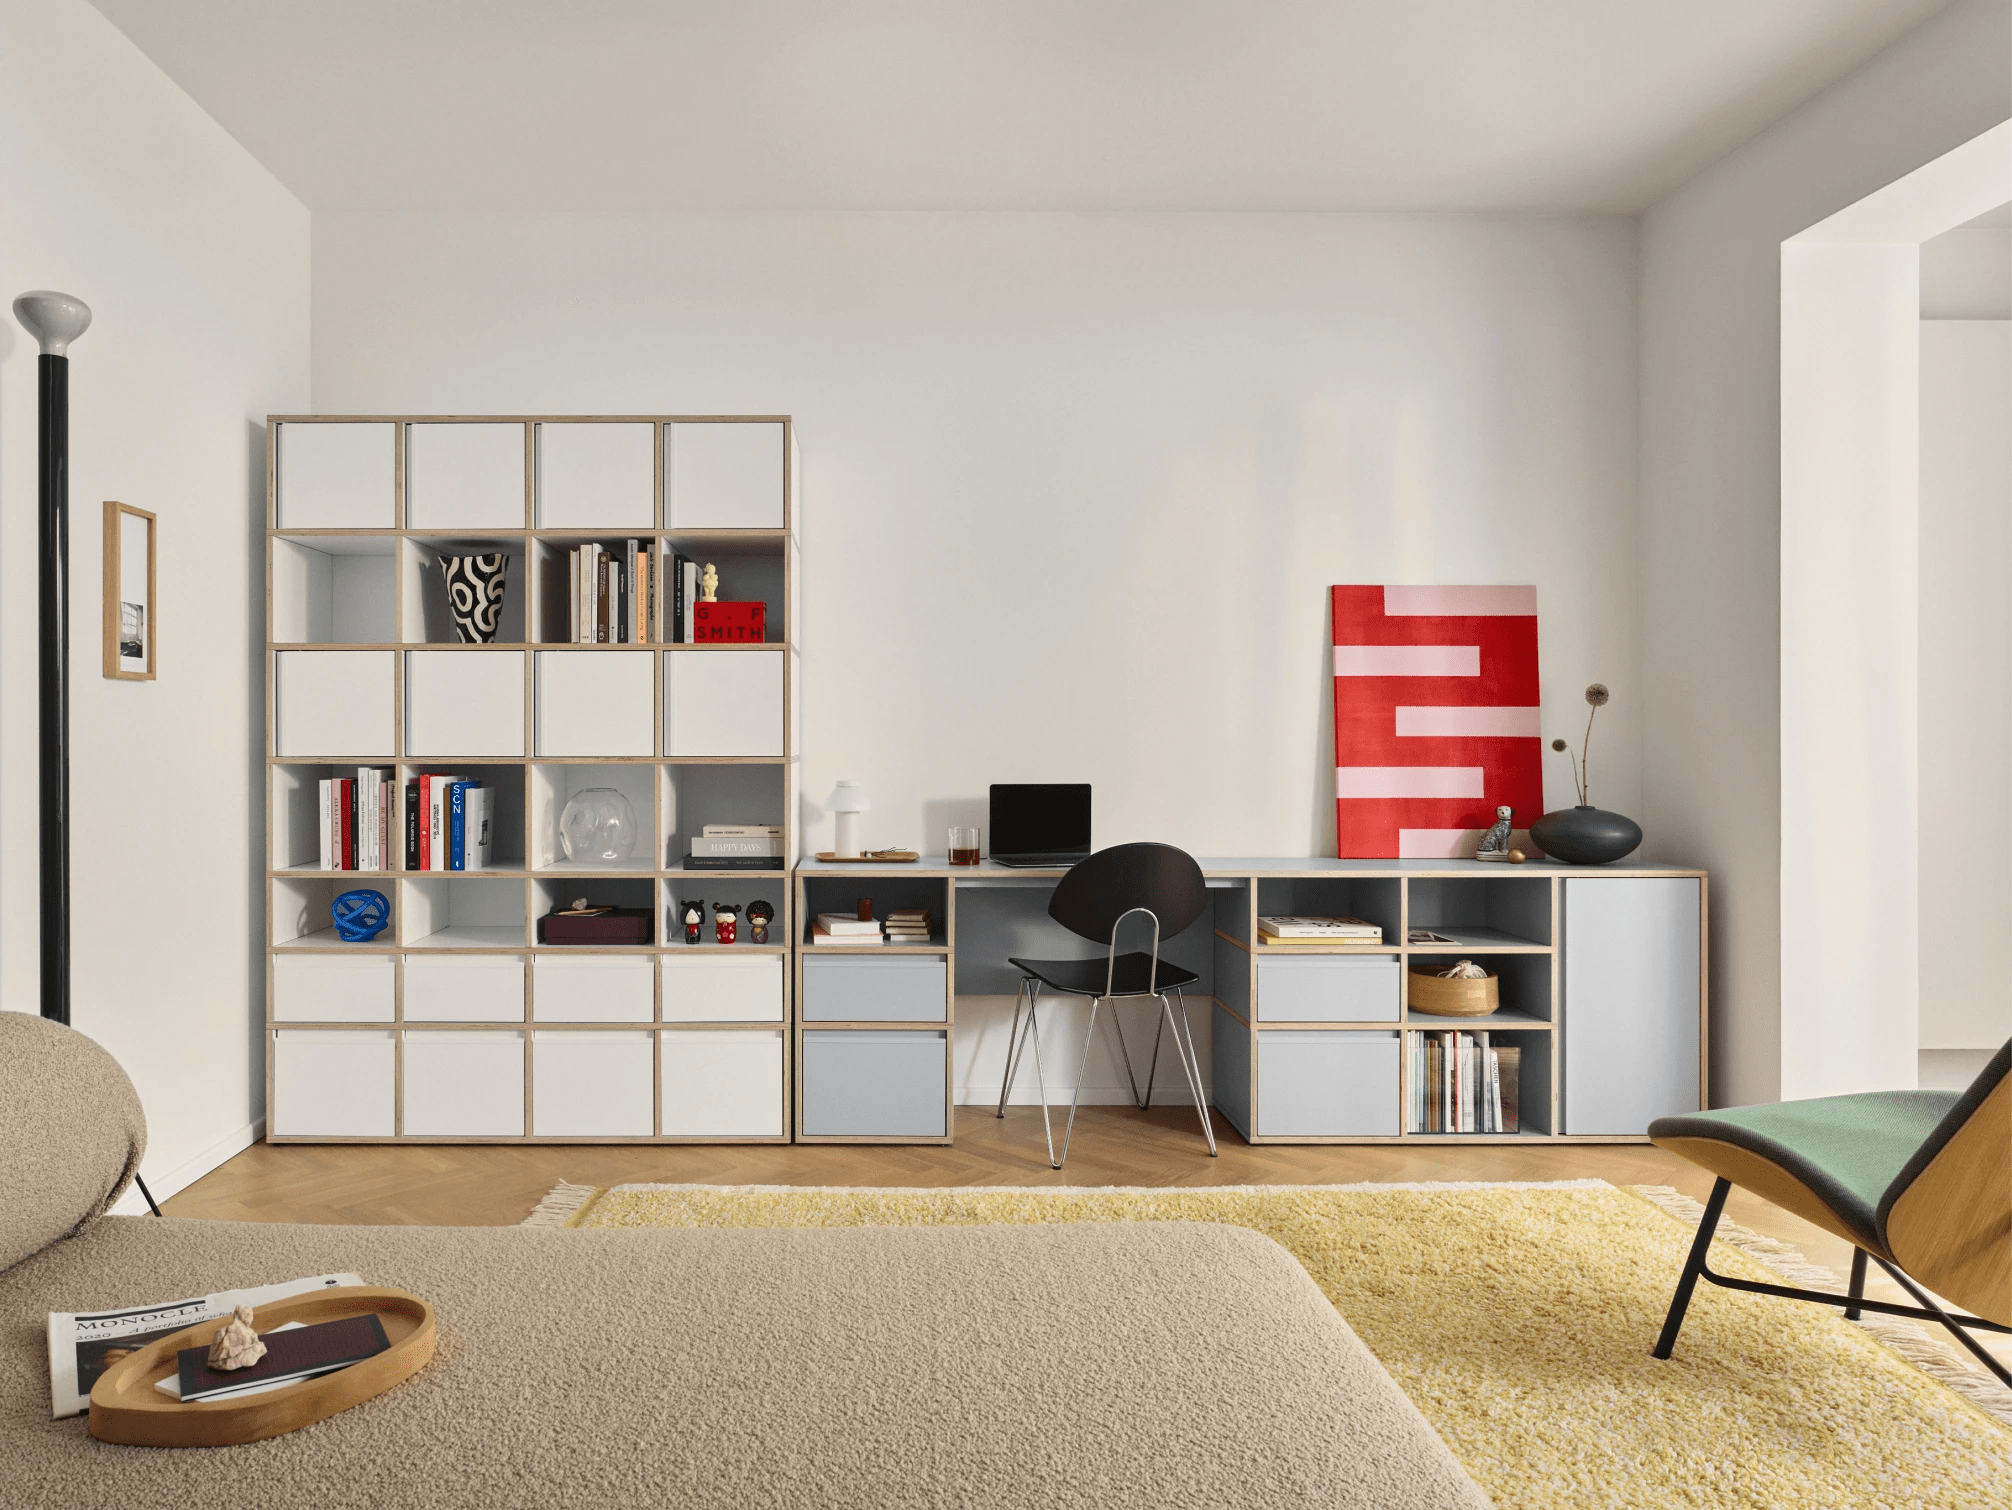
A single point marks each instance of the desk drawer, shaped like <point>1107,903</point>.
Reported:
<point>1327,1085</point>
<point>907,988</point>
<point>1328,988</point>
<point>875,1084</point>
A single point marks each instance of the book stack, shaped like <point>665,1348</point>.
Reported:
<point>357,822</point>
<point>1326,933</point>
<point>449,823</point>
<point>611,593</point>
<point>835,929</point>
<point>729,623</point>
<point>736,846</point>
<point>683,584</point>
<point>1460,1083</point>
<point>909,925</point>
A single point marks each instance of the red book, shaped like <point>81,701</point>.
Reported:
<point>730,623</point>
<point>346,806</point>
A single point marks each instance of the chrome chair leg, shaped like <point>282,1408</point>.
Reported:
<point>1153,1069</point>
<point>1012,1047</point>
<point>1076,1096</point>
<point>1124,1053</point>
<point>1033,1031</point>
<point>1184,1048</point>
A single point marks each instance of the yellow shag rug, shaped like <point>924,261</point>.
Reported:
<point>1519,1318</point>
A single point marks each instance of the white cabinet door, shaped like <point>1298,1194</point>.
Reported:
<point>725,475</point>
<point>334,703</point>
<point>597,476</point>
<point>723,702</point>
<point>592,988</point>
<point>594,702</point>
<point>333,988</point>
<point>743,988</point>
<point>592,1085</point>
<point>333,1085</point>
<point>481,988</point>
<point>464,477</point>
<point>464,1084</point>
<point>464,703</point>
<point>1630,1001</point>
<point>339,476</point>
<point>722,1084</point>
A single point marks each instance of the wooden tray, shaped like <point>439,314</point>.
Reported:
<point>125,1406</point>
<point>1437,996</point>
<point>875,857</point>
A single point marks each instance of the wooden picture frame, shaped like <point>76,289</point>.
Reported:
<point>131,620</point>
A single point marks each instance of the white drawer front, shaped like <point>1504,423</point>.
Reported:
<point>333,1085</point>
<point>333,988</point>
<point>723,1084</point>
<point>593,988</point>
<point>743,988</point>
<point>486,988</point>
<point>592,1085</point>
<point>466,1085</point>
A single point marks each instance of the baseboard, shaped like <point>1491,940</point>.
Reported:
<point>179,1179</point>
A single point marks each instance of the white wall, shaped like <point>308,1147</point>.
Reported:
<point>1711,483</point>
<point>1966,679</point>
<point>194,260</point>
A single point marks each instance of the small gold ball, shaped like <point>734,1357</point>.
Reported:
<point>1517,857</point>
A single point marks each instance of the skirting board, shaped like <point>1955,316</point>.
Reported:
<point>179,1179</point>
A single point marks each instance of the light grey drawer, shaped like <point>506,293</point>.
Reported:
<point>1327,1085</point>
<point>1328,988</point>
<point>875,1084</point>
<point>906,988</point>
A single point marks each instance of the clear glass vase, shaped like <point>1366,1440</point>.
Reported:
<point>598,825</point>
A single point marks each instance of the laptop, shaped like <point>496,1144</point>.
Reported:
<point>1045,824</point>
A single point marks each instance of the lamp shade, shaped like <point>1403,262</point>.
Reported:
<point>847,797</point>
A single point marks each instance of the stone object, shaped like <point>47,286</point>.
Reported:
<point>236,1345</point>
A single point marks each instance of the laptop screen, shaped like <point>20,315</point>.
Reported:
<point>1040,819</point>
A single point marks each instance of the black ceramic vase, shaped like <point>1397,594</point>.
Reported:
<point>475,595</point>
<point>1585,835</point>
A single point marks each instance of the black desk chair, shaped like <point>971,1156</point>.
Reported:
<point>1093,900</point>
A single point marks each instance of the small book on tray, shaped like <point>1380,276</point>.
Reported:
<point>290,1353</point>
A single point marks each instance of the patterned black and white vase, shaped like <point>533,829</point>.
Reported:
<point>475,595</point>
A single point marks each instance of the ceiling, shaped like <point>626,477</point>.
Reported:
<point>1550,105</point>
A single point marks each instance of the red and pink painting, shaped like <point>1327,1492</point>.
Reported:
<point>1435,718</point>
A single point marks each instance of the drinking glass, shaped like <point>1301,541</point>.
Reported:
<point>963,846</point>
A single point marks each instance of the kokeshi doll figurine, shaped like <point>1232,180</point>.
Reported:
<point>726,921</point>
<point>694,920</point>
<point>760,915</point>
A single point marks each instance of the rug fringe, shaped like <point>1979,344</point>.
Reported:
<point>562,1205</point>
<point>1905,1338</point>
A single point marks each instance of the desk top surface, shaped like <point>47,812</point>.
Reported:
<point>1309,866</point>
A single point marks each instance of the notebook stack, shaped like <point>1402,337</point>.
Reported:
<point>1325,933</point>
<point>909,925</point>
<point>836,930</point>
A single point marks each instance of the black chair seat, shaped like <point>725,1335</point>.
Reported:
<point>1131,975</point>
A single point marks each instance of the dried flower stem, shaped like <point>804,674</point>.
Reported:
<point>1585,760</point>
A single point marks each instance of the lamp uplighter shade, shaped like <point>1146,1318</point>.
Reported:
<point>846,802</point>
<point>53,319</point>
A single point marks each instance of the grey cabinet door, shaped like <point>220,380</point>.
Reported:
<point>1630,1001</point>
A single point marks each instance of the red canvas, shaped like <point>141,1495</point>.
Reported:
<point>1435,717</point>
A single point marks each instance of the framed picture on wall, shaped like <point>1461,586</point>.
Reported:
<point>129,593</point>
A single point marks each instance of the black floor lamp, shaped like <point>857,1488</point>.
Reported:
<point>55,320</point>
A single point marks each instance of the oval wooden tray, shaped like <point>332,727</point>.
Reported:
<point>877,857</point>
<point>125,1406</point>
<point>1437,996</point>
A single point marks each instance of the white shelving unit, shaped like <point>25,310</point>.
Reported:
<point>455,1024</point>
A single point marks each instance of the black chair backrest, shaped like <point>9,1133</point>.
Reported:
<point>1098,891</point>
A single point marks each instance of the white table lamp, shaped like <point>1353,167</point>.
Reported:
<point>845,804</point>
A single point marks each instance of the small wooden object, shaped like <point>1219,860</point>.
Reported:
<point>125,1406</point>
<point>1437,996</point>
<point>875,856</point>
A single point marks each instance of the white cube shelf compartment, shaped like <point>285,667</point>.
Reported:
<point>597,476</point>
<point>593,1085</point>
<point>717,985</point>
<point>335,590</point>
<point>461,703</point>
<point>723,702</point>
<point>722,1083</point>
<point>333,1085</point>
<point>334,703</point>
<point>464,476</point>
<point>593,988</point>
<point>594,703</point>
<point>463,1084</point>
<point>724,474</point>
<point>334,988</point>
<point>340,475</point>
<point>456,1021</point>
<point>464,988</point>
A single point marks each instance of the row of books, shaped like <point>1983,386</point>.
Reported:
<point>448,822</point>
<point>1461,1083</point>
<point>904,925</point>
<point>639,594</point>
<point>1325,932</point>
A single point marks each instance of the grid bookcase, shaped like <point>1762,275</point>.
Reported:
<point>455,1024</point>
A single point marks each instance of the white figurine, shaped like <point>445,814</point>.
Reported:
<point>1495,843</point>
<point>709,584</point>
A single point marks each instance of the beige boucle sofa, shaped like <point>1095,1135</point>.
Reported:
<point>1161,1365</point>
